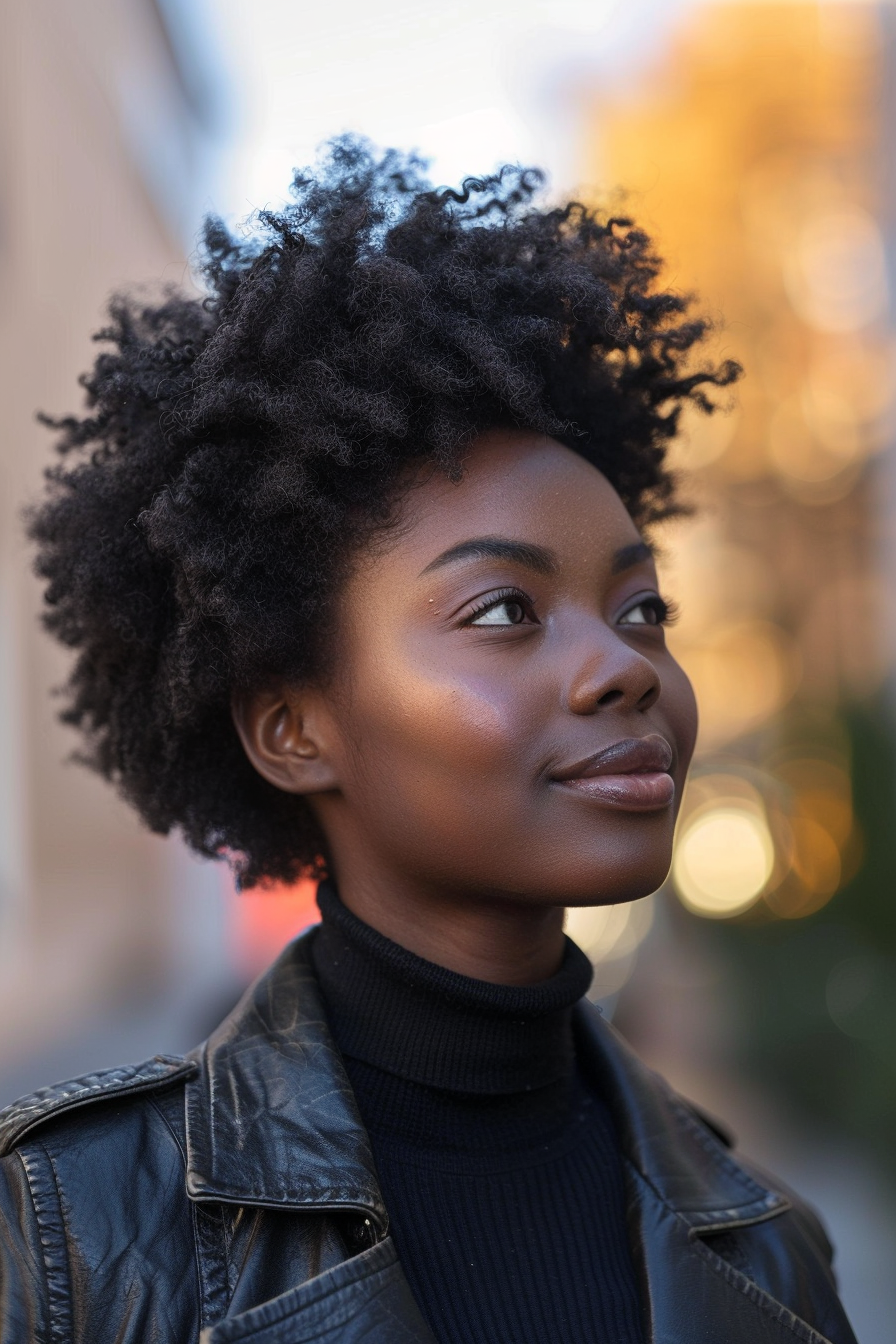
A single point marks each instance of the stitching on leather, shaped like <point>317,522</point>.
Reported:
<point>51,1240</point>
<point>208,1233</point>
<point>19,1118</point>
<point>42,1259</point>
<point>93,1083</point>
<point>717,1154</point>
<point>771,1307</point>
<point>268,1321</point>
<point>685,1217</point>
<point>209,1300</point>
<point>775,1310</point>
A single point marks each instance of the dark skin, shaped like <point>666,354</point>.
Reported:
<point>504,732</point>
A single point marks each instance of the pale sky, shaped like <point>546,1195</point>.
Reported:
<point>469,83</point>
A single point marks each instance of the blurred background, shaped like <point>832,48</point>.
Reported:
<point>754,141</point>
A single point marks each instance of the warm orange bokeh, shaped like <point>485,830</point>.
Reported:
<point>750,152</point>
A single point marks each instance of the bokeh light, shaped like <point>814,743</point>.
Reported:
<point>265,918</point>
<point>611,935</point>
<point>815,871</point>
<point>743,673</point>
<point>835,274</point>
<point>723,860</point>
<point>778,842</point>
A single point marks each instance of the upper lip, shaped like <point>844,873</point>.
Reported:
<point>633,755</point>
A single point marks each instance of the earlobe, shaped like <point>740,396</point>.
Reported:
<point>281,734</point>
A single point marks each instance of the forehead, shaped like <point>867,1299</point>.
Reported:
<point>520,485</point>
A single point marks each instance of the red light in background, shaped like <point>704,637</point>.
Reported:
<point>265,919</point>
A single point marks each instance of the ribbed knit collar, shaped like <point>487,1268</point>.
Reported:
<point>421,1022</point>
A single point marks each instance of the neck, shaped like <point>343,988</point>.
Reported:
<point>482,936</point>
<point>427,1024</point>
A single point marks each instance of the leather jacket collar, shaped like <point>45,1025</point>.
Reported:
<point>285,1138</point>
<point>293,1138</point>
<point>263,1115</point>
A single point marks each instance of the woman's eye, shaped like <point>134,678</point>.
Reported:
<point>649,611</point>
<point>509,611</point>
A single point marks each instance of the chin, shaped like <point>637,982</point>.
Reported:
<point>612,885</point>
<point>603,867</point>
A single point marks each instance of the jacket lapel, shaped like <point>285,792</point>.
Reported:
<point>291,1136</point>
<point>692,1295</point>
<point>366,1300</point>
<point>689,1170</point>
<point>684,1186</point>
<point>272,1121</point>
<point>271,1117</point>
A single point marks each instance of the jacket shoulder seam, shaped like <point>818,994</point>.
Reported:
<point>175,1137</point>
<point>25,1115</point>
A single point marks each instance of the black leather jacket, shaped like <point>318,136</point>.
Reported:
<point>231,1196</point>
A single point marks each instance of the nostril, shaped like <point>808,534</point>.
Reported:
<point>649,698</point>
<point>611,698</point>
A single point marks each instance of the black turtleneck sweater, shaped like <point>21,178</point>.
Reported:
<point>498,1160</point>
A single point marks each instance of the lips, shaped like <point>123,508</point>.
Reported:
<point>631,775</point>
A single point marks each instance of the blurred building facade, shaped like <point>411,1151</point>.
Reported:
<point>104,141</point>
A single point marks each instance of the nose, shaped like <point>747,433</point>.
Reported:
<point>612,675</point>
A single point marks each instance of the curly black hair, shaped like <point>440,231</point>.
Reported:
<point>242,443</point>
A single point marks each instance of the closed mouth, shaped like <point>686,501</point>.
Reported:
<point>628,776</point>
<point>632,756</point>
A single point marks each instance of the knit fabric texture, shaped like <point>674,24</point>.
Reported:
<point>498,1159</point>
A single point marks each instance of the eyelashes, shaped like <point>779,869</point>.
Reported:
<point>663,611</point>
<point>516,603</point>
<point>518,609</point>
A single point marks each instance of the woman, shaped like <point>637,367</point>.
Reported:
<point>353,554</point>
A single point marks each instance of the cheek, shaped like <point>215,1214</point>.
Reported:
<point>433,725</point>
<point>422,730</point>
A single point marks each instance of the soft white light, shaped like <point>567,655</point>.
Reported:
<point>837,274</point>
<point>723,860</point>
<point>470,84</point>
<point>610,932</point>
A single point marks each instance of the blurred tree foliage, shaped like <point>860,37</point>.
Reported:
<point>819,994</point>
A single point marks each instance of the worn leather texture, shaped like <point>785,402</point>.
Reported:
<point>231,1196</point>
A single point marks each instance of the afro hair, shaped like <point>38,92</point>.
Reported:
<point>240,444</point>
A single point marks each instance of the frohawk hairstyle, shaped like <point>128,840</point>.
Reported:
<point>240,444</point>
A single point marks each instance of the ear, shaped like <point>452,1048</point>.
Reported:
<point>286,734</point>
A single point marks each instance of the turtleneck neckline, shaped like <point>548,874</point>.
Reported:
<point>409,1017</point>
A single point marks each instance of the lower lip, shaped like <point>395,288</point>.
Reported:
<point>648,792</point>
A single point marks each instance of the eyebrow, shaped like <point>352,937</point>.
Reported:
<point>629,556</point>
<point>537,558</point>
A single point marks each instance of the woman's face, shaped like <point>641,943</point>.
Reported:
<point>505,721</point>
